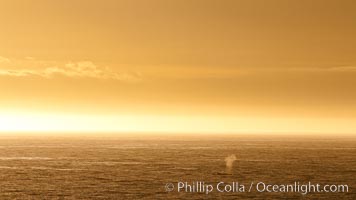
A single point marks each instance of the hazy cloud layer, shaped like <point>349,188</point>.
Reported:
<point>344,68</point>
<point>29,66</point>
<point>82,69</point>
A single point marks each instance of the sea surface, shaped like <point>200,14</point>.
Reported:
<point>145,167</point>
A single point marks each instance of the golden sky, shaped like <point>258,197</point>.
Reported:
<point>178,66</point>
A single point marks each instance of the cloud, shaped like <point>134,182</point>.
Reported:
<point>87,69</point>
<point>4,60</point>
<point>82,69</point>
<point>17,73</point>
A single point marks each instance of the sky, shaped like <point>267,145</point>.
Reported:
<point>234,66</point>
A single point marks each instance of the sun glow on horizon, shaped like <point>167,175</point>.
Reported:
<point>47,122</point>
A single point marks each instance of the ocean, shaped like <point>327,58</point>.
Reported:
<point>176,167</point>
